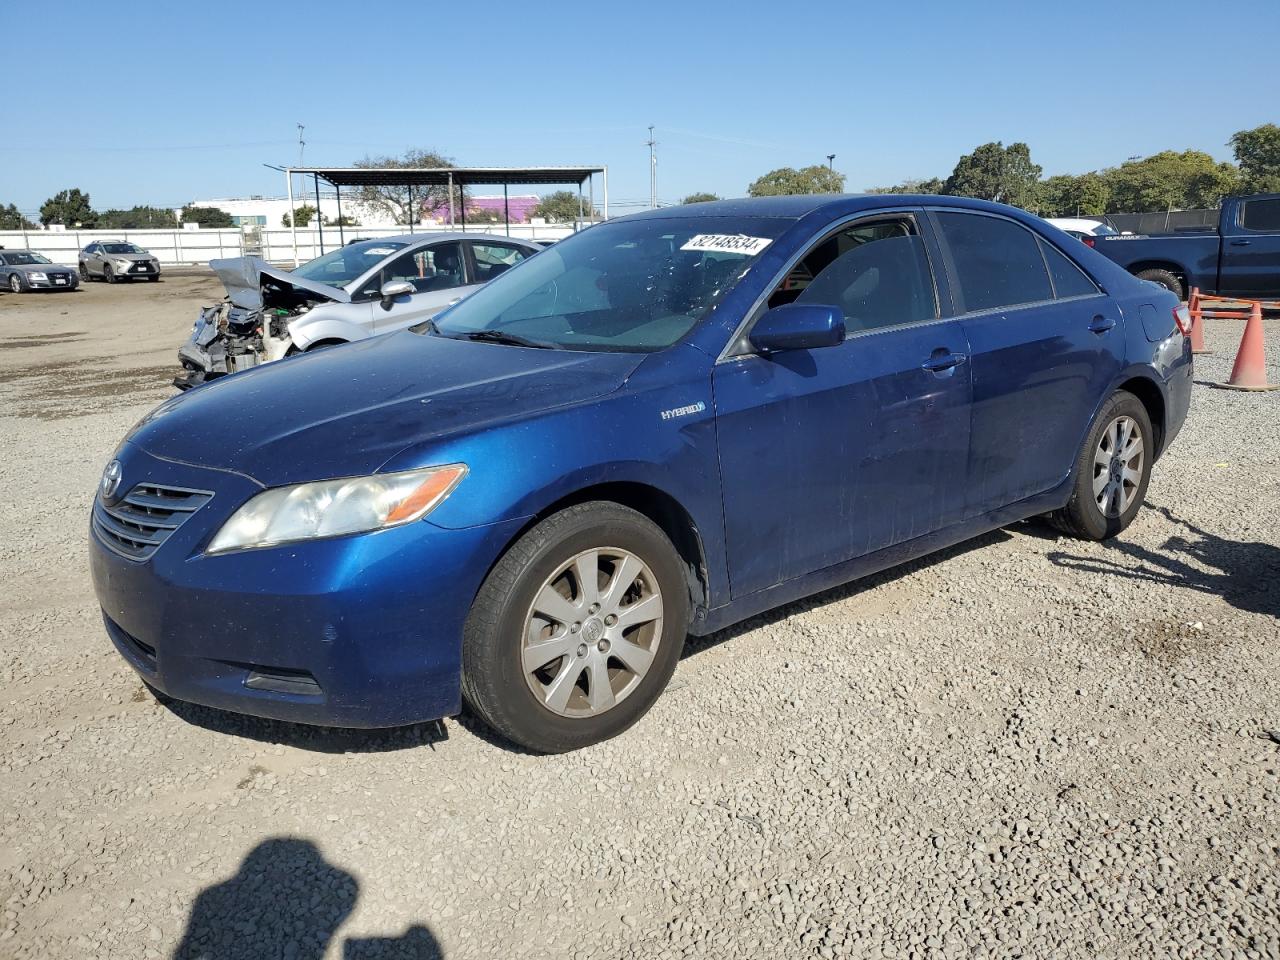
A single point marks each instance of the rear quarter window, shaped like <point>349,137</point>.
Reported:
<point>997,262</point>
<point>1068,279</point>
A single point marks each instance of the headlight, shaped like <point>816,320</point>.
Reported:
<point>331,508</point>
<point>124,264</point>
<point>37,275</point>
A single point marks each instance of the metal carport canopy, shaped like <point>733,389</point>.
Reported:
<point>443,176</point>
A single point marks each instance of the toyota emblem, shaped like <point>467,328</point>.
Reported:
<point>110,480</point>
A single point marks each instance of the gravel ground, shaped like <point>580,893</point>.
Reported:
<point>1027,746</point>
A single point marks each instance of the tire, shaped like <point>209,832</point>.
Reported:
<point>153,277</point>
<point>15,283</point>
<point>1099,476</point>
<point>1165,279</point>
<point>84,272</point>
<point>532,708</point>
<point>108,274</point>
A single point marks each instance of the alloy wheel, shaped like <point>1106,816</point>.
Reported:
<point>592,632</point>
<point>1117,466</point>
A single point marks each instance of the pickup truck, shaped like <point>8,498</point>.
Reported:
<point>1241,258</point>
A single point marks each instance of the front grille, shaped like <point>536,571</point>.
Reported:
<point>137,525</point>
<point>140,266</point>
<point>56,276</point>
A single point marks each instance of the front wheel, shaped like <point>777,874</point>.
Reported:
<point>84,272</point>
<point>108,274</point>
<point>577,629</point>
<point>1112,471</point>
<point>15,283</point>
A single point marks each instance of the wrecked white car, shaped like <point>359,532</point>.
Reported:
<point>360,290</point>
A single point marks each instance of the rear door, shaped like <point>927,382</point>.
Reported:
<point>833,453</point>
<point>1250,265</point>
<point>438,275</point>
<point>1046,345</point>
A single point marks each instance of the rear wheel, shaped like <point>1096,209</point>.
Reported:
<point>1112,471</point>
<point>577,629</point>
<point>1165,279</point>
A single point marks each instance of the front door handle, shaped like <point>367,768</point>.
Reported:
<point>453,301</point>
<point>1241,243</point>
<point>1101,324</point>
<point>943,361</point>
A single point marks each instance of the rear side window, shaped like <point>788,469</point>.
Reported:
<point>998,261</point>
<point>1261,215</point>
<point>1068,279</point>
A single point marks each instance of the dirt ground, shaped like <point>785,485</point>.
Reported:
<point>1027,746</point>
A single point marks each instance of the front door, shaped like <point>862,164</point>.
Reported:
<point>833,453</point>
<point>1046,345</point>
<point>1250,265</point>
<point>438,275</point>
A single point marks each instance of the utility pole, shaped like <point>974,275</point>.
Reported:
<point>302,145</point>
<point>831,162</point>
<point>653,171</point>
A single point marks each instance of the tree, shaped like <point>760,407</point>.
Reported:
<point>996,172</point>
<point>1257,152</point>
<point>404,204</point>
<point>12,219</point>
<point>68,207</point>
<point>342,221</point>
<point>931,186</point>
<point>207,216</point>
<point>137,218</point>
<point>302,216</point>
<point>1171,180</point>
<point>699,198</point>
<point>561,207</point>
<point>1068,195</point>
<point>788,180</point>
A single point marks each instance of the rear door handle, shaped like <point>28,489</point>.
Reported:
<point>1101,324</point>
<point>943,361</point>
<point>1241,243</point>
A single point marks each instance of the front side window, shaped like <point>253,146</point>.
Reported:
<point>877,274</point>
<point>339,267</point>
<point>1261,215</point>
<point>1068,279</point>
<point>493,259</point>
<point>432,268</point>
<point>630,285</point>
<point>997,261</point>
<point>24,258</point>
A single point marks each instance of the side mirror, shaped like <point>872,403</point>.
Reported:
<point>798,326</point>
<point>396,288</point>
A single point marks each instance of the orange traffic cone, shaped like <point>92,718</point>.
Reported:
<point>1250,370</point>
<point>1197,323</point>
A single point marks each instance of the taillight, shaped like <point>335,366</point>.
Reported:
<point>1088,241</point>
<point>1182,317</point>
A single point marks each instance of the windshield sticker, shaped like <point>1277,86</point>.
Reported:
<point>379,251</point>
<point>727,243</point>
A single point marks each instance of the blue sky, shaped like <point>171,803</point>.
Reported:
<point>170,102</point>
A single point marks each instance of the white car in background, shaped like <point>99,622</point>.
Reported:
<point>1082,229</point>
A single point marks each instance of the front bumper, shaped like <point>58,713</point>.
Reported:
<point>59,281</point>
<point>361,631</point>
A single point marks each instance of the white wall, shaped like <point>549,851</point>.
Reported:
<point>186,247</point>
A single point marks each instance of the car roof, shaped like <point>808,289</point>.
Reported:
<point>797,206</point>
<point>420,237</point>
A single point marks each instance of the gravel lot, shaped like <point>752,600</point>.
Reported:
<point>1027,746</point>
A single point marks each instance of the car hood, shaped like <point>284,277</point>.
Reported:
<point>346,410</point>
<point>128,256</point>
<point>40,267</point>
<point>243,276</point>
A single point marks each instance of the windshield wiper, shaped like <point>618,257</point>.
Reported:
<point>499,336</point>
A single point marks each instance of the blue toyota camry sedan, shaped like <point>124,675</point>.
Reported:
<point>659,426</point>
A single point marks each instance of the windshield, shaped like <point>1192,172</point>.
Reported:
<point>345,264</point>
<point>637,285</point>
<point>122,248</point>
<point>23,257</point>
